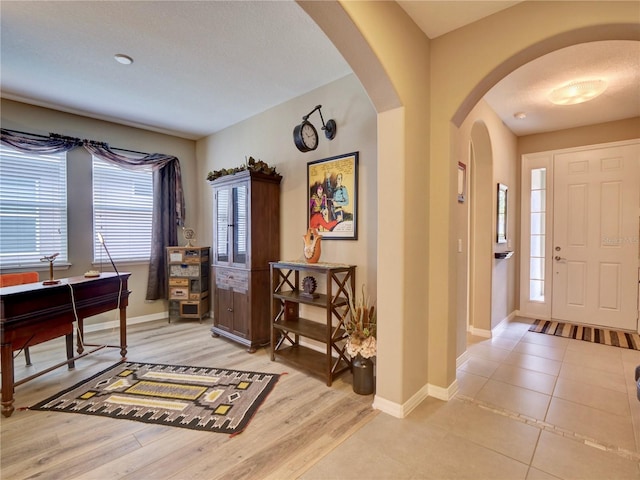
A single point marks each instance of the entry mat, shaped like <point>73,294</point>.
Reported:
<point>589,334</point>
<point>199,398</point>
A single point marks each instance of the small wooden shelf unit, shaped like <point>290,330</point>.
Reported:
<point>188,272</point>
<point>287,327</point>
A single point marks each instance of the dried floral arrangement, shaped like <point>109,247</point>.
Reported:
<point>361,326</point>
<point>252,164</point>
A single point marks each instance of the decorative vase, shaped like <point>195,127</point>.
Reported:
<point>363,383</point>
<point>312,245</point>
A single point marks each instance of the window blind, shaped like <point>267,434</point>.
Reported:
<point>33,208</point>
<point>240,224</point>
<point>122,212</point>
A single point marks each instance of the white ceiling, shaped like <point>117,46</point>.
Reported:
<point>202,66</point>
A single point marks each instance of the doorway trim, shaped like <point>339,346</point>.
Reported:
<point>543,160</point>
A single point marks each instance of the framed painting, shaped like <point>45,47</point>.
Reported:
<point>332,202</point>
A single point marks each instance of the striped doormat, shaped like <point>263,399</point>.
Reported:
<point>588,334</point>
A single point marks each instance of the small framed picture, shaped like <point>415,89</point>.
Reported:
<point>333,197</point>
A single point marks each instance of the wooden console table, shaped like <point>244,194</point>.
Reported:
<point>34,313</point>
<point>287,327</point>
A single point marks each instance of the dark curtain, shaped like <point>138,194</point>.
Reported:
<point>168,198</point>
<point>36,144</point>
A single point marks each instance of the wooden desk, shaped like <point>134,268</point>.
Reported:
<point>34,313</point>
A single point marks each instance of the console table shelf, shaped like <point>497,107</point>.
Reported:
<point>288,327</point>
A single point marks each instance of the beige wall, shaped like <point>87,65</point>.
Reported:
<point>28,118</point>
<point>462,65</point>
<point>467,62</point>
<point>575,137</point>
<point>268,137</point>
<point>404,273</point>
<point>495,279</point>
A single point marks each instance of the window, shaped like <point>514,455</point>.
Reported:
<point>122,212</point>
<point>538,234</point>
<point>33,208</point>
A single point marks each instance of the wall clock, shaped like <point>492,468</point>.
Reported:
<point>305,136</point>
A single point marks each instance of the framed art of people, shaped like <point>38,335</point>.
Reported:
<point>333,197</point>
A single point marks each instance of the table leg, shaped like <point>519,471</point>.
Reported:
<point>69,340</point>
<point>123,332</point>
<point>6,360</point>
<point>80,348</point>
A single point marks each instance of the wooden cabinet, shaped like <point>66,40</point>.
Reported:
<point>246,237</point>
<point>188,273</point>
<point>288,327</point>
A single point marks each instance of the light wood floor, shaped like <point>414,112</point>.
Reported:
<point>300,422</point>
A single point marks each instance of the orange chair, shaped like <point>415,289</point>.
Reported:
<point>9,279</point>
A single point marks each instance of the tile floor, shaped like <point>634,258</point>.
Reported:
<point>529,406</point>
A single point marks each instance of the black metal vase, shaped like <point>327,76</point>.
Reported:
<point>363,381</point>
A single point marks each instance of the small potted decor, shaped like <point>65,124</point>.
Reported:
<point>361,343</point>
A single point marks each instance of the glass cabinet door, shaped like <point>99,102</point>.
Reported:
<point>232,225</point>
<point>240,225</point>
<point>222,225</point>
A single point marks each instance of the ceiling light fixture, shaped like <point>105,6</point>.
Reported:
<point>520,115</point>
<point>123,59</point>
<point>577,92</point>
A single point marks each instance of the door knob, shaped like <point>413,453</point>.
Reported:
<point>558,258</point>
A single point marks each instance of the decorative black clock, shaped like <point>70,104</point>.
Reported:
<point>305,136</point>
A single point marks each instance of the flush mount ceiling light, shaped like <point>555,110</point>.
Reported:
<point>123,59</point>
<point>577,92</point>
<point>520,115</point>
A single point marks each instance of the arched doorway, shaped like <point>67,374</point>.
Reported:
<point>481,233</point>
<point>421,102</point>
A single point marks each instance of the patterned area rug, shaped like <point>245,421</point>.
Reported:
<point>198,398</point>
<point>588,334</point>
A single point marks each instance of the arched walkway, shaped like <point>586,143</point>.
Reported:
<point>422,91</point>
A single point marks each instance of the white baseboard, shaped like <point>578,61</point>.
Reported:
<point>462,359</point>
<point>479,332</point>
<point>445,394</point>
<point>96,327</point>
<point>402,410</point>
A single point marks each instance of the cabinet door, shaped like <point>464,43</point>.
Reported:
<point>224,309</point>
<point>240,224</point>
<point>231,227</point>
<point>221,226</point>
<point>241,321</point>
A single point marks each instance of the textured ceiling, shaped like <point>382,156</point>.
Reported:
<point>201,66</point>
<point>527,88</point>
<point>198,66</point>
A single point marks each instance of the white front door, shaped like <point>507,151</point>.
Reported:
<point>595,236</point>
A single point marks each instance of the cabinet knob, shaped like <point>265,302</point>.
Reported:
<point>229,309</point>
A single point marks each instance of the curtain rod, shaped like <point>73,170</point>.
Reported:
<point>74,138</point>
